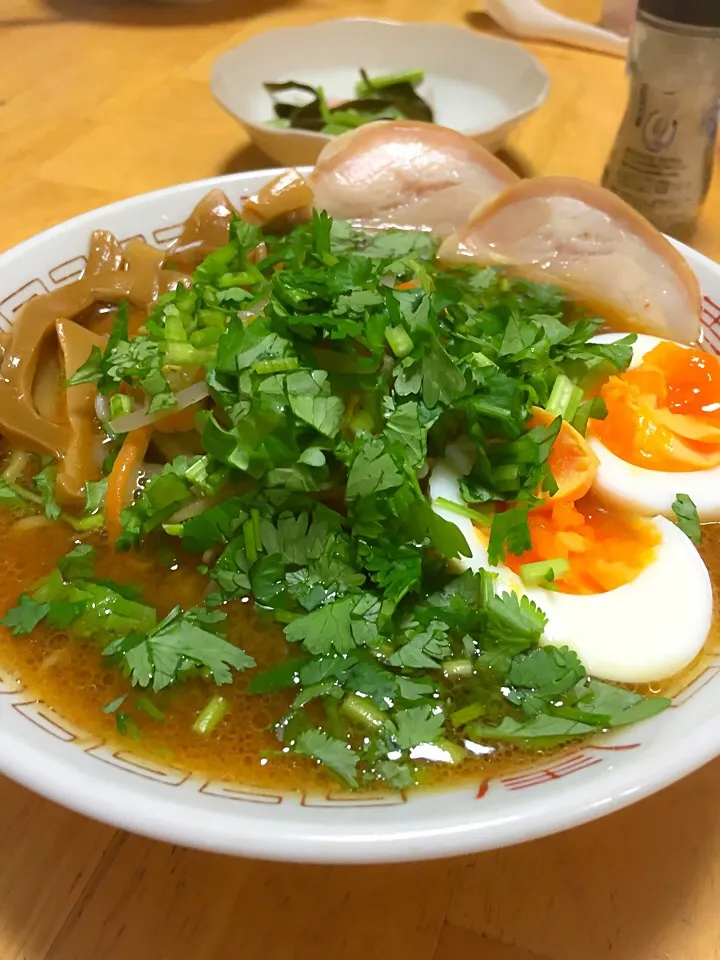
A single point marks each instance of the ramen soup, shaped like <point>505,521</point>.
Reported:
<point>296,502</point>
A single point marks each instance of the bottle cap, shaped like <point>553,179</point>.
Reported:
<point>691,13</point>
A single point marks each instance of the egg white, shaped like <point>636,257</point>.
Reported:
<point>650,492</point>
<point>648,629</point>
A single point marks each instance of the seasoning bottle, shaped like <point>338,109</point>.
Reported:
<point>662,159</point>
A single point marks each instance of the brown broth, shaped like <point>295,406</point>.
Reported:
<point>71,677</point>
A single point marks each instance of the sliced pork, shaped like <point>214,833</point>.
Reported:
<point>586,239</point>
<point>391,174</point>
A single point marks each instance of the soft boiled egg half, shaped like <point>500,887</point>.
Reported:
<point>661,436</point>
<point>636,603</point>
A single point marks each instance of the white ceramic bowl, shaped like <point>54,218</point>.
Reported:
<point>479,85</point>
<point>45,753</point>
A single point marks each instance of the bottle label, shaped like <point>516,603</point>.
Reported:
<point>662,159</point>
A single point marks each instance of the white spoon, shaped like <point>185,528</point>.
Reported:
<point>532,20</point>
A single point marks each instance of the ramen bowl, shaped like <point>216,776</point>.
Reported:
<point>479,85</point>
<point>107,781</point>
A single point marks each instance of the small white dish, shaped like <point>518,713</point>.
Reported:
<point>41,750</point>
<point>476,84</point>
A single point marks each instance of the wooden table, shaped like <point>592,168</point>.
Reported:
<point>101,101</point>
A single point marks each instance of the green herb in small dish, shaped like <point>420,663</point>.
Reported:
<point>390,97</point>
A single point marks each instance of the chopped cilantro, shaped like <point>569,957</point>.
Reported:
<point>687,517</point>
<point>78,563</point>
<point>547,670</point>
<point>126,726</point>
<point>304,487</point>
<point>44,482</point>
<point>337,755</point>
<point>515,618</point>
<point>417,725</point>
<point>95,492</point>
<point>340,626</point>
<point>283,675</point>
<point>183,639</point>
<point>423,648</point>
<point>24,617</point>
<point>396,775</point>
<point>509,532</point>
<point>114,704</point>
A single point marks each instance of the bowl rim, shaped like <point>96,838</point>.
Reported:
<point>259,838</point>
<point>469,131</point>
<point>45,770</point>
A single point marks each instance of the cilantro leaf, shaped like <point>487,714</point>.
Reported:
<point>320,668</point>
<point>98,609</point>
<point>404,428</point>
<point>687,517</point>
<point>423,648</point>
<point>88,372</point>
<point>63,613</point>
<point>335,754</point>
<point>616,706</point>
<point>410,689</point>
<point>44,481</point>
<point>417,725</point>
<point>373,470</point>
<point>371,680</point>
<point>509,531</point>
<point>329,688</point>
<point>310,401</point>
<point>599,706</point>
<point>399,243</point>
<point>213,526</point>
<point>397,775</point>
<point>182,639</point>
<point>10,497</point>
<point>95,492</point>
<point>138,362</point>
<point>541,731</point>
<point>162,495</point>
<point>340,626</point>
<point>442,380</point>
<point>546,670</point>
<point>78,563</point>
<point>23,618</point>
<point>517,337</point>
<point>515,617</point>
<point>395,569</point>
<point>279,677</point>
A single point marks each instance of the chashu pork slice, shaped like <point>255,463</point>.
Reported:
<point>402,174</point>
<point>406,174</point>
<point>587,240</point>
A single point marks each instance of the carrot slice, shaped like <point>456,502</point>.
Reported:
<point>571,460</point>
<point>126,463</point>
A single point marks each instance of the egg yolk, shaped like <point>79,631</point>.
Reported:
<point>665,413</point>
<point>604,550</point>
<point>571,461</point>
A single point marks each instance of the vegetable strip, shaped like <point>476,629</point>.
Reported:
<point>124,470</point>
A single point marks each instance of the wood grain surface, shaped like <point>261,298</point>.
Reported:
<point>102,100</point>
